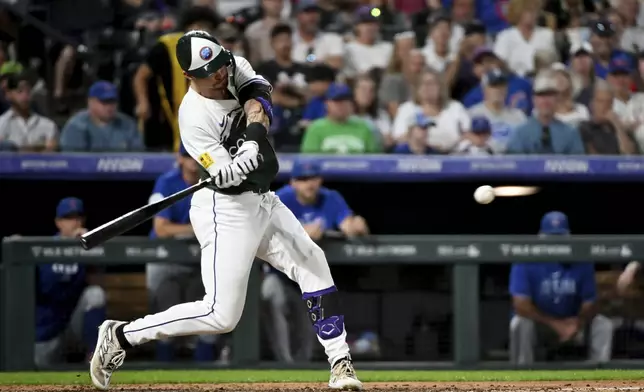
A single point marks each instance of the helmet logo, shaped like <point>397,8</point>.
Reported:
<point>205,53</point>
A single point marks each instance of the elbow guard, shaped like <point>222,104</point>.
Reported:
<point>260,92</point>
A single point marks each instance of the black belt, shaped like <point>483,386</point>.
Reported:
<point>238,190</point>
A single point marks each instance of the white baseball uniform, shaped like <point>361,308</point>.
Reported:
<point>233,229</point>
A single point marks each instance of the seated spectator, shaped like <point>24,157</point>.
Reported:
<point>172,284</point>
<point>339,132</point>
<point>628,35</point>
<point>69,305</point>
<point>604,132</point>
<point>519,94</point>
<point>460,74</point>
<point>437,50</point>
<point>289,87</point>
<point>101,127</point>
<point>368,109</point>
<point>310,45</point>
<point>602,40</point>
<point>620,79</point>
<point>319,78</point>
<point>555,303</point>
<point>543,133</point>
<point>366,52</point>
<point>21,126</point>
<point>432,99</point>
<point>417,138</point>
<point>400,80</point>
<point>568,111</point>
<point>517,45</point>
<point>502,119</point>
<point>258,34</point>
<point>582,68</point>
<point>478,140</point>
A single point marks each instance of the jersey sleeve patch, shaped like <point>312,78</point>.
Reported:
<point>206,160</point>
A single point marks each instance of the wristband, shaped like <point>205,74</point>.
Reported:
<point>255,132</point>
<point>268,108</point>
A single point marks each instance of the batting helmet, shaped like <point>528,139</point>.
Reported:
<point>200,55</point>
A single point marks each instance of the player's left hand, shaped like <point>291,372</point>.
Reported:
<point>247,158</point>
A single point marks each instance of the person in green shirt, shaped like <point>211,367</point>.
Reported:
<point>339,132</point>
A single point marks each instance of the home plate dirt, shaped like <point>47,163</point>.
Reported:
<point>529,386</point>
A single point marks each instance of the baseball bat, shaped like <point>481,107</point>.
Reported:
<point>134,218</point>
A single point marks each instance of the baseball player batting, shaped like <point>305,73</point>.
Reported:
<point>223,119</point>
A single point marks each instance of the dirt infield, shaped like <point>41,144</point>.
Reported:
<point>530,386</point>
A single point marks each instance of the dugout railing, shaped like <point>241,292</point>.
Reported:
<point>465,253</point>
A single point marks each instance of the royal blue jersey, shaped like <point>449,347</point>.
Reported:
<point>168,183</point>
<point>330,208</point>
<point>58,289</point>
<point>557,290</point>
<point>519,95</point>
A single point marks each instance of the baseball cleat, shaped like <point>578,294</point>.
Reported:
<point>108,355</point>
<point>343,376</point>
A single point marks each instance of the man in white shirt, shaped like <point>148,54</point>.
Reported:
<point>503,119</point>
<point>366,52</point>
<point>20,127</point>
<point>309,44</point>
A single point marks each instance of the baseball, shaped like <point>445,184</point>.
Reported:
<point>484,194</point>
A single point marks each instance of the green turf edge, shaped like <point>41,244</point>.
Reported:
<point>241,376</point>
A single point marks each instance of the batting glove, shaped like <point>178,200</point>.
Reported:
<point>228,176</point>
<point>247,158</point>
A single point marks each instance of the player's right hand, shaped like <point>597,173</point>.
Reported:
<point>228,176</point>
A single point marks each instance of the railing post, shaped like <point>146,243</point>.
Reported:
<point>18,308</point>
<point>465,296</point>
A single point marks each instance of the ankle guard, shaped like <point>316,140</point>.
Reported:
<point>320,304</point>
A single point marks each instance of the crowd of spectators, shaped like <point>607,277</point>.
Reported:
<point>473,77</point>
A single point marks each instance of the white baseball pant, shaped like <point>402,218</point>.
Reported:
<point>232,231</point>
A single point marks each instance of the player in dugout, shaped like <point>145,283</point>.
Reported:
<point>70,306</point>
<point>556,303</point>
<point>321,211</point>
<point>172,284</point>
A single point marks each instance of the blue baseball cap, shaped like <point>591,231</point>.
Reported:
<point>103,91</point>
<point>621,64</point>
<point>365,14</point>
<point>495,77</point>
<point>423,121</point>
<point>481,124</point>
<point>70,206</point>
<point>338,92</point>
<point>307,5</point>
<point>303,169</point>
<point>554,222</point>
<point>483,52</point>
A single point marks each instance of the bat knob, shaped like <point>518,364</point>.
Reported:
<point>83,242</point>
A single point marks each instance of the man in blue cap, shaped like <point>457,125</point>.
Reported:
<point>172,284</point>
<point>321,211</point>
<point>556,301</point>
<point>417,138</point>
<point>69,309</point>
<point>101,127</point>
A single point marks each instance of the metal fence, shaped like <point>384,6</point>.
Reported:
<point>465,253</point>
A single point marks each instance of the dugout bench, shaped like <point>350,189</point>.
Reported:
<point>465,253</point>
